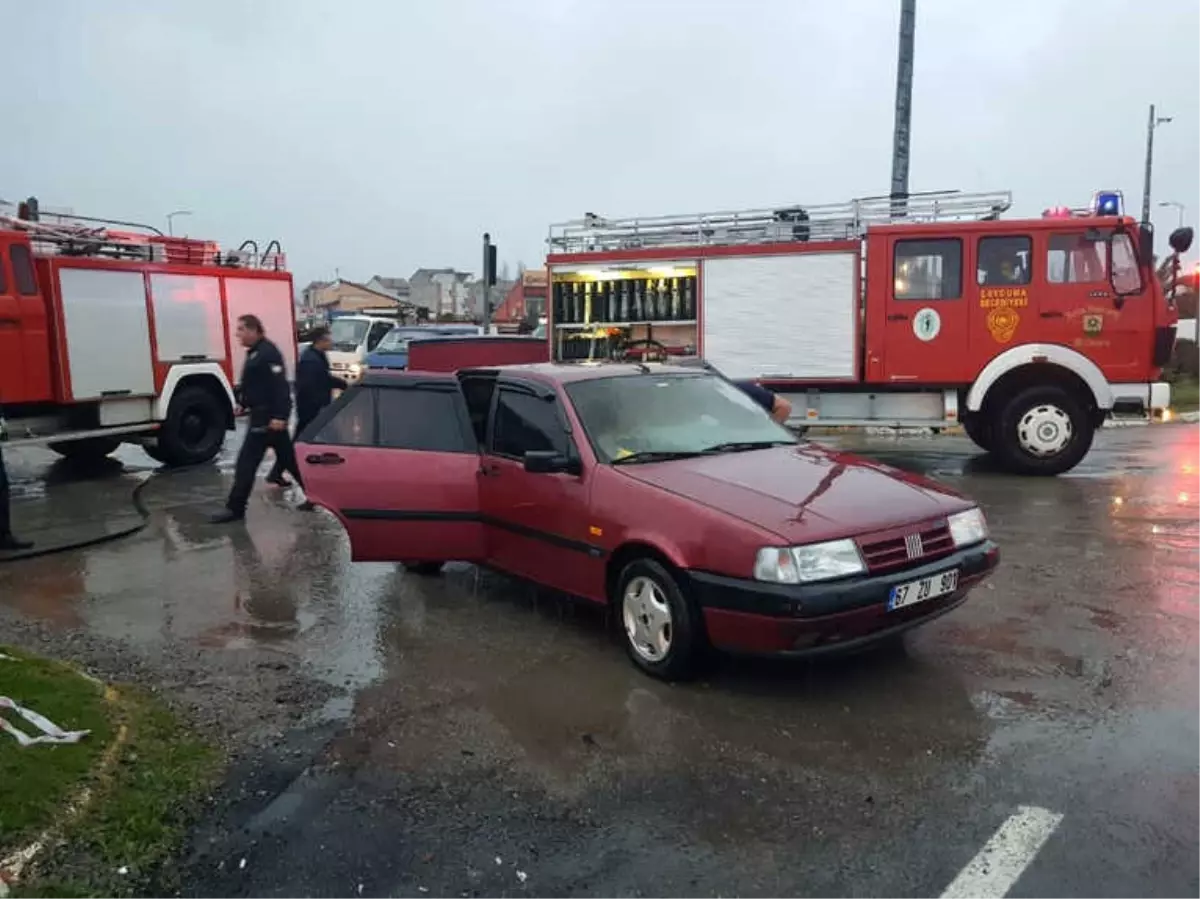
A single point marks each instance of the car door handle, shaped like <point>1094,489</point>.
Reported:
<point>489,470</point>
<point>324,459</point>
<point>898,317</point>
<point>1052,315</point>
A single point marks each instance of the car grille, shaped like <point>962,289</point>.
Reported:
<point>905,547</point>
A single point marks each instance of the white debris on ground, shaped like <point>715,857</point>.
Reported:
<point>50,732</point>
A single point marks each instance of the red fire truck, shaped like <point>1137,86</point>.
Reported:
<point>1028,332</point>
<point>114,332</point>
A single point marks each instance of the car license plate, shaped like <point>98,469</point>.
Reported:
<point>926,588</point>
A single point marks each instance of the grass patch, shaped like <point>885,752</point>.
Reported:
<point>144,795</point>
<point>1185,396</point>
<point>38,781</point>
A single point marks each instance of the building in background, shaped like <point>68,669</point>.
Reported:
<point>525,301</point>
<point>445,292</point>
<point>396,287</point>
<point>351,296</point>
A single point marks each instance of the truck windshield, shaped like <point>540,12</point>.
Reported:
<point>654,417</point>
<point>348,334</point>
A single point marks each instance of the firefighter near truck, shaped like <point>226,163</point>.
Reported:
<point>112,332</point>
<point>1029,333</point>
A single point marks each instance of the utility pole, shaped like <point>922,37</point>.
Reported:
<point>1151,124</point>
<point>902,134</point>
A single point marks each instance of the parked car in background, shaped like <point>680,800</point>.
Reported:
<point>392,351</point>
<point>662,491</point>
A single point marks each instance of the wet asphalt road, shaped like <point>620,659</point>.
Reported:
<point>465,735</point>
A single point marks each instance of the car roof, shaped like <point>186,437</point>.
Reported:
<point>562,373</point>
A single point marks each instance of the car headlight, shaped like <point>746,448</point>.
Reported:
<point>968,527</point>
<point>355,369</point>
<point>805,564</point>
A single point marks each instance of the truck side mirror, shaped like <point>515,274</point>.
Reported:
<point>1181,240</point>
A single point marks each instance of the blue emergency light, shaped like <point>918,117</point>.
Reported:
<point>1108,202</point>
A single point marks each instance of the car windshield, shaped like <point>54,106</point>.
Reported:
<point>348,334</point>
<point>396,340</point>
<point>648,418</point>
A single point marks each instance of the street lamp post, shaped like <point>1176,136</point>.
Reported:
<point>1154,122</point>
<point>171,219</point>
<point>1179,206</point>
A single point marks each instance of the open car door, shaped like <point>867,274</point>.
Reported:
<point>395,459</point>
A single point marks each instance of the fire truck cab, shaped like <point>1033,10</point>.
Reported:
<point>110,335</point>
<point>1028,332</point>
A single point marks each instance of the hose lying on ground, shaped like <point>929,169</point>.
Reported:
<point>138,505</point>
<point>144,519</point>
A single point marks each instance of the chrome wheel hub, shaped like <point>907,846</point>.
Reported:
<point>1044,431</point>
<point>647,617</point>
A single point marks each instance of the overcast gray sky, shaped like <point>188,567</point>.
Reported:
<point>375,137</point>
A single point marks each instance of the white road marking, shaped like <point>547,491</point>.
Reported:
<point>996,866</point>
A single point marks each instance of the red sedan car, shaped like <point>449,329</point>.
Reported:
<point>663,491</point>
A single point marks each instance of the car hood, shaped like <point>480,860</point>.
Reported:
<point>803,493</point>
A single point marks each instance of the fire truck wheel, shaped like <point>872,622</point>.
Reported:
<point>194,429</point>
<point>90,448</point>
<point>1043,431</point>
<point>981,432</point>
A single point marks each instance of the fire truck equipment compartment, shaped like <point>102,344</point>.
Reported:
<point>95,305</point>
<point>785,316</point>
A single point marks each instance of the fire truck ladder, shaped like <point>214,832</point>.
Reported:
<point>833,221</point>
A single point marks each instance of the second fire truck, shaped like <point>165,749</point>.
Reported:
<point>1027,332</point>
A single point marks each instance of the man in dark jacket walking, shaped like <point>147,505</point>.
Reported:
<point>314,390</point>
<point>264,396</point>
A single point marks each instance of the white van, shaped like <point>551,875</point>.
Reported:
<point>354,336</point>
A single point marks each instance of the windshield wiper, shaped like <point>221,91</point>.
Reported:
<point>653,456</point>
<point>741,446</point>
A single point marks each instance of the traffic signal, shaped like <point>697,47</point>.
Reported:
<point>491,265</point>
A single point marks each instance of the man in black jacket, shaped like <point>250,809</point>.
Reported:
<point>264,396</point>
<point>314,390</point>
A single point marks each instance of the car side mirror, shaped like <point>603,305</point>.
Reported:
<point>550,462</point>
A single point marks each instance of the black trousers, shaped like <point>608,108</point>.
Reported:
<point>302,422</point>
<point>258,440</point>
<point>5,513</point>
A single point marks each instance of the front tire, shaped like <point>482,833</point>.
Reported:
<point>662,628</point>
<point>1043,431</point>
<point>88,449</point>
<point>194,430</point>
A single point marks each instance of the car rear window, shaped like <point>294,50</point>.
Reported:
<point>430,417</point>
<point>352,422</point>
<point>426,416</point>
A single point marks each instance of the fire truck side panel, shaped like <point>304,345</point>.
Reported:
<point>25,371</point>
<point>95,304</point>
<point>269,296</point>
<point>789,315</point>
<point>189,324</point>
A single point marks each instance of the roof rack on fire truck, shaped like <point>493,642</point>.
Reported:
<point>68,234</point>
<point>832,221</point>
